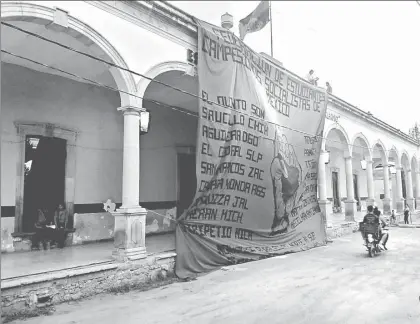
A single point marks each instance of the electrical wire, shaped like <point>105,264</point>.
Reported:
<point>153,80</point>
<point>125,92</point>
<point>120,149</point>
<point>92,81</point>
<point>150,79</point>
<point>179,109</point>
<point>101,60</point>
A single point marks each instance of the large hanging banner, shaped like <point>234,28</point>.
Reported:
<point>257,160</point>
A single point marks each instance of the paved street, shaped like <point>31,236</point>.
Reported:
<point>336,284</point>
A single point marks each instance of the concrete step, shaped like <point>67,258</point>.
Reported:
<point>417,225</point>
<point>343,229</point>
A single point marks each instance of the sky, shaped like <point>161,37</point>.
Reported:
<point>369,51</point>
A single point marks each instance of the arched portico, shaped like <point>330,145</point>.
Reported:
<point>362,171</point>
<point>394,158</point>
<point>167,155</point>
<point>339,171</point>
<point>381,174</point>
<point>336,135</point>
<point>407,180</point>
<point>65,101</point>
<point>379,147</point>
<point>160,69</point>
<point>361,145</point>
<point>415,170</point>
<point>44,16</point>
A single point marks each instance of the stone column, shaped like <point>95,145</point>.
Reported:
<point>350,203</point>
<point>130,219</point>
<point>386,200</point>
<point>418,189</point>
<point>322,185</point>
<point>370,184</point>
<point>409,189</point>
<point>400,199</point>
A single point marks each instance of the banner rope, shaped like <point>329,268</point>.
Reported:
<point>164,216</point>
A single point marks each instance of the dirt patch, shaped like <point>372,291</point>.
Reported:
<point>159,281</point>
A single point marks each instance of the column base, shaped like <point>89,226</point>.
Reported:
<point>323,206</point>
<point>400,205</point>
<point>130,210</point>
<point>386,205</point>
<point>125,255</point>
<point>350,209</point>
<point>417,203</point>
<point>410,203</point>
<point>130,234</point>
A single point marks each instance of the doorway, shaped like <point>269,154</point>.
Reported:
<point>187,181</point>
<point>44,178</point>
<point>336,192</point>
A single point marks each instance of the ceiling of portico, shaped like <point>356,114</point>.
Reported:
<point>172,97</point>
<point>42,51</point>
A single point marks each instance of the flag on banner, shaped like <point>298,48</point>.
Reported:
<point>256,20</point>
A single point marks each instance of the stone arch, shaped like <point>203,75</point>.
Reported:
<point>393,152</point>
<point>405,160</point>
<point>383,151</point>
<point>363,138</point>
<point>341,133</point>
<point>40,15</point>
<point>158,70</point>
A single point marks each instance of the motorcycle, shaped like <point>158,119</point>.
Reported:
<point>372,238</point>
<point>372,244</point>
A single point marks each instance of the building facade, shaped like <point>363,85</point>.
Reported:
<point>84,94</point>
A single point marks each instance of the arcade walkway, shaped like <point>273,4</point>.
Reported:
<point>28,263</point>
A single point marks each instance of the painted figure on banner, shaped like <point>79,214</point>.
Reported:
<point>286,175</point>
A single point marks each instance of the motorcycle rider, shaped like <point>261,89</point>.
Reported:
<point>384,234</point>
<point>374,218</point>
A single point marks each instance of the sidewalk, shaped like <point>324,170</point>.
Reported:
<point>19,264</point>
<point>338,219</point>
<point>414,220</point>
<point>35,280</point>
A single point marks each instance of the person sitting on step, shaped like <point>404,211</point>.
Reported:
<point>41,232</point>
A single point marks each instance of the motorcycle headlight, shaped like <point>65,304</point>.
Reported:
<point>370,238</point>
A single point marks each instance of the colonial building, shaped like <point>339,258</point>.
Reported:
<point>83,115</point>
